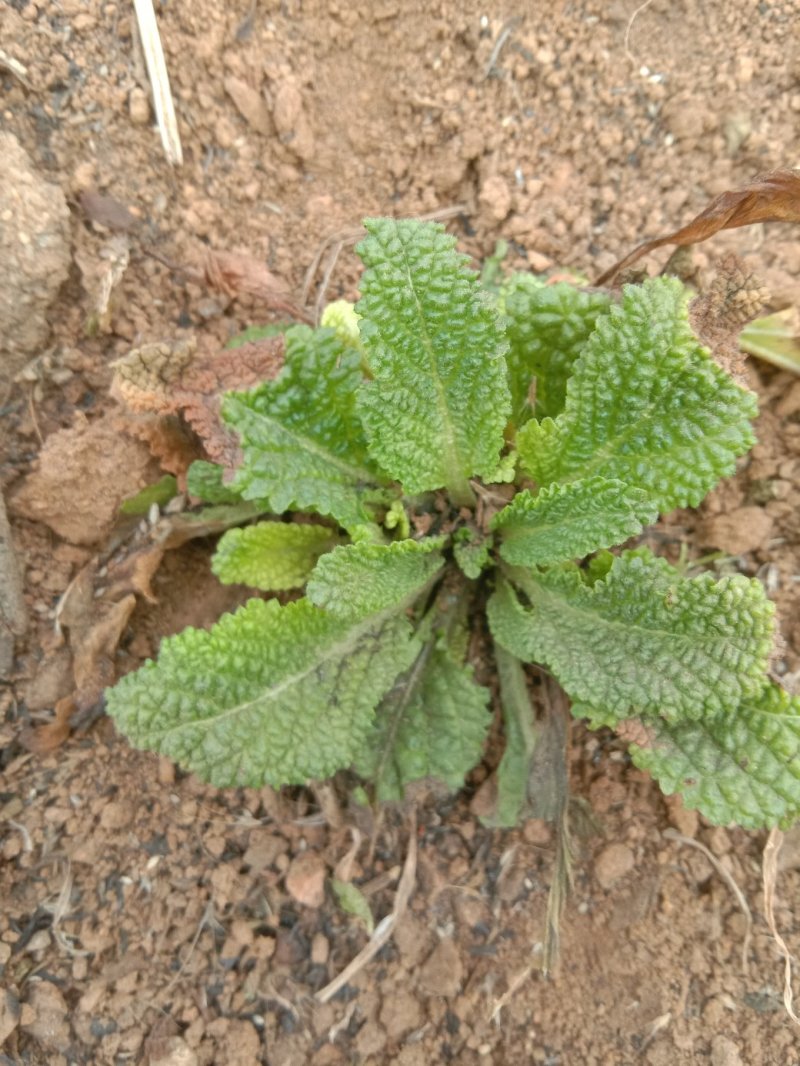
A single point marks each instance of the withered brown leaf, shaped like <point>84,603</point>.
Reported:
<point>770,197</point>
<point>171,380</point>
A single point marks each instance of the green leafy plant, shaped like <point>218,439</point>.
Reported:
<point>449,455</point>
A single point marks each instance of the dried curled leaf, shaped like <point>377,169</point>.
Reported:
<point>770,197</point>
<point>734,298</point>
<point>240,274</point>
<point>173,379</point>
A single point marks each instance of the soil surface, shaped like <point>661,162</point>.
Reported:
<point>147,918</point>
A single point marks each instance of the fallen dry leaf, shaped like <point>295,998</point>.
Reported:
<point>166,380</point>
<point>240,274</point>
<point>305,879</point>
<point>46,738</point>
<point>734,298</point>
<point>770,197</point>
<point>170,441</point>
<point>106,211</point>
<point>95,648</point>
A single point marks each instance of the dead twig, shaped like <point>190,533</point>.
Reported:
<point>14,67</point>
<point>769,873</point>
<point>511,991</point>
<point>159,80</point>
<point>385,928</point>
<point>672,834</point>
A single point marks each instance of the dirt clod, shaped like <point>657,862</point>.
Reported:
<point>305,879</point>
<point>724,1052</point>
<point>84,473</point>
<point>744,530</point>
<point>34,255</point>
<point>173,1051</point>
<point>9,1014</point>
<point>612,864</point>
<point>442,972</point>
<point>50,1023</point>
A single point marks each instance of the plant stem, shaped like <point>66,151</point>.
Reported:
<point>461,494</point>
<point>521,739</point>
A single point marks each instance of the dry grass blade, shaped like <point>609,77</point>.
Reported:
<point>769,873</point>
<point>385,928</point>
<point>672,834</point>
<point>159,79</point>
<point>626,42</point>
<point>13,66</point>
<point>770,197</point>
<point>510,992</point>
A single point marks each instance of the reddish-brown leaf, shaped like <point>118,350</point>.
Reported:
<point>770,197</point>
<point>734,298</point>
<point>107,211</point>
<point>239,274</point>
<point>46,738</point>
<point>170,380</point>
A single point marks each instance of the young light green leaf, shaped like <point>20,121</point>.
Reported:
<point>547,330</point>
<point>566,522</point>
<point>359,579</point>
<point>302,442</point>
<point>204,480</point>
<point>436,410</point>
<point>645,404</point>
<point>739,766</point>
<point>271,555</point>
<point>471,551</point>
<point>432,725</point>
<point>159,493</point>
<point>644,640</point>
<point>269,695</point>
<point>353,901</point>
<point>341,317</point>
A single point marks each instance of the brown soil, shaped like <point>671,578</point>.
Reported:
<point>147,918</point>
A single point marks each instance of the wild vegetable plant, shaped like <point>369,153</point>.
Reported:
<point>449,462</point>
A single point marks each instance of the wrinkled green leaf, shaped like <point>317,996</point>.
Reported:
<point>566,522</point>
<point>646,405</point>
<point>303,445</point>
<point>432,725</point>
<point>644,640</point>
<point>741,766</point>
<point>471,551</point>
<point>436,410</point>
<point>271,555</point>
<point>204,480</point>
<point>356,579</point>
<point>269,695</point>
<point>547,330</point>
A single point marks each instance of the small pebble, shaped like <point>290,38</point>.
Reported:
<point>320,949</point>
<point>139,107</point>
